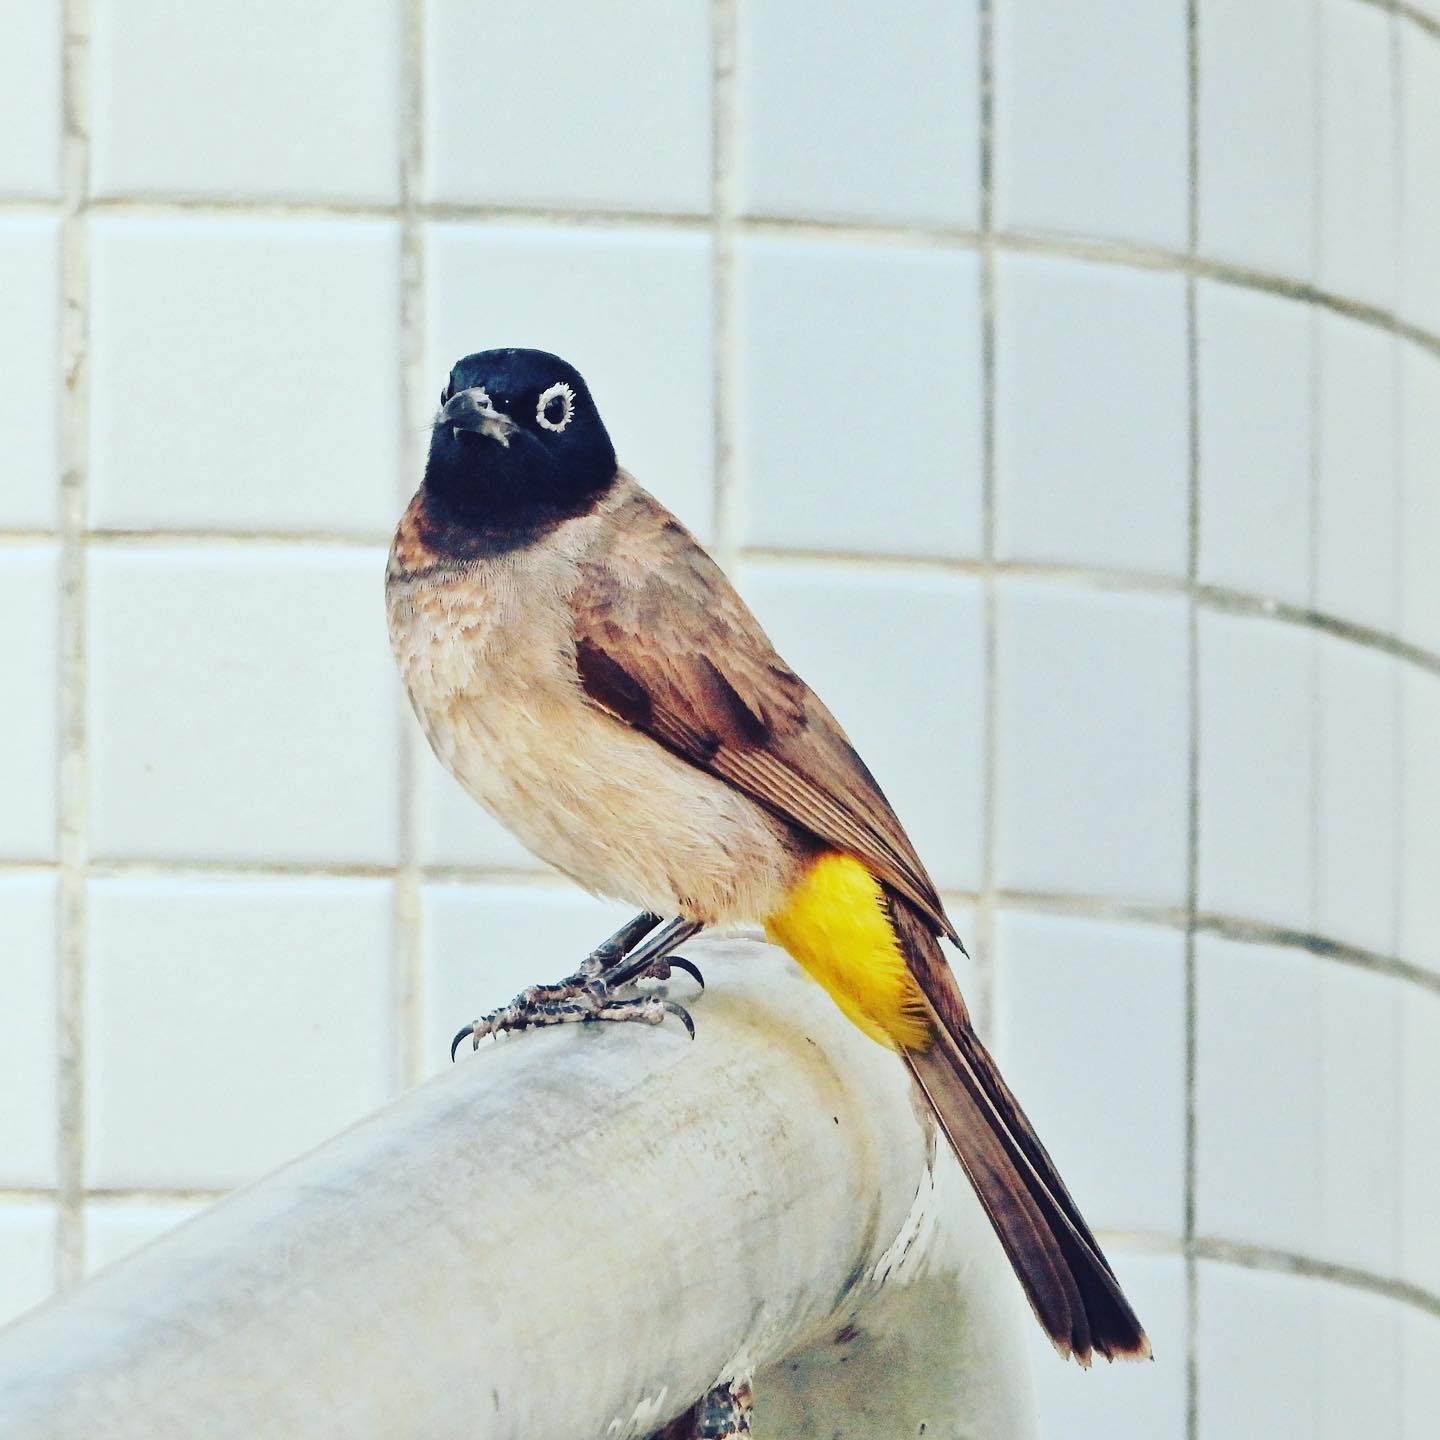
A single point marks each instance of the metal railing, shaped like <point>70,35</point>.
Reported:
<point>573,1234</point>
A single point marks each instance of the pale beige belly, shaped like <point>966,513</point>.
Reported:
<point>616,813</point>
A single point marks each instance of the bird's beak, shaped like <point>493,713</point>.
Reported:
<point>472,410</point>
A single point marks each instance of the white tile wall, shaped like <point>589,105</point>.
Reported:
<point>1420,1384</point>
<point>1299,1115</point>
<point>862,366</point>
<point>1420,496</point>
<point>1357,794</point>
<point>1292,1356</point>
<point>242,376</point>
<point>176,105</point>
<point>30,117</point>
<point>113,1229</point>
<point>845,115</point>
<point>30,603</point>
<point>1256,404</point>
<point>1357,544</point>
<point>929,389</point>
<point>493,136</point>
<point>1420,176</point>
<point>1090,775</point>
<point>1359,159</point>
<point>1257,133</point>
<point>1258,1120</point>
<point>1420,819</point>
<point>273,993</point>
<point>241,705</point>
<point>1419,1139</point>
<point>29,337</point>
<point>29,990</point>
<point>1111,997</point>
<point>1256,770</point>
<point>27,1256</point>
<point>1071,155</point>
<point>1090,382</point>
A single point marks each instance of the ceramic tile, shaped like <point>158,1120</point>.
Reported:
<point>1357,795</point>
<point>1357,551</point>
<point>1420,818</point>
<point>1091,772</point>
<point>29,758</point>
<point>1420,177</point>
<point>1359,177</point>
<point>1260,1367</point>
<point>878,121</point>
<point>1259,1103</point>
<point>189,982</point>
<point>1257,128</point>
<point>859,424</point>
<point>267,403</point>
<point>1092,458</point>
<point>27,1257</point>
<point>1420,497</point>
<point>1072,156</point>
<point>1256,407</point>
<point>495,136</point>
<point>171,101</point>
<point>29,991</point>
<point>29,370</point>
<point>1419,1138</point>
<point>115,1230</point>
<point>242,705</point>
<point>1256,769</point>
<point>30,104</point>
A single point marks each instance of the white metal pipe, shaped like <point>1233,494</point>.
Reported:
<point>572,1234</point>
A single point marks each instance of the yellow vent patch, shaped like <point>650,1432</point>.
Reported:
<point>835,924</point>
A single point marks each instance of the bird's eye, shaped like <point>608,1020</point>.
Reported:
<point>556,406</point>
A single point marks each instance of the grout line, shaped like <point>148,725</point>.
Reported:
<point>1430,24</point>
<point>162,537</point>
<point>1218,597</point>
<point>1192,796</point>
<point>985,958</point>
<point>725,359</point>
<point>1022,242</point>
<point>74,776</point>
<point>1285,1262</point>
<point>409,950</point>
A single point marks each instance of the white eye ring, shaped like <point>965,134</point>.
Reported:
<point>558,391</point>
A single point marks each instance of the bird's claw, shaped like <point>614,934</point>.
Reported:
<point>679,962</point>
<point>669,1007</point>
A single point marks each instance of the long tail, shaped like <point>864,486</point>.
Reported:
<point>1067,1280</point>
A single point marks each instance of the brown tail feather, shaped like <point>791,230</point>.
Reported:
<point>1067,1280</point>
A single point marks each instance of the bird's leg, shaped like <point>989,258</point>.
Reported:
<point>587,995</point>
<point>723,1414</point>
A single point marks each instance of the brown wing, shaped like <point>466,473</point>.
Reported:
<point>663,642</point>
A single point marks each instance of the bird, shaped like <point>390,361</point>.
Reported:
<point>587,672</point>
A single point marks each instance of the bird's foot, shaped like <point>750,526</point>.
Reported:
<point>589,995</point>
<point>722,1414</point>
<point>581,1007</point>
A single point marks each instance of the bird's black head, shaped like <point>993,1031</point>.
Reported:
<point>517,445</point>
